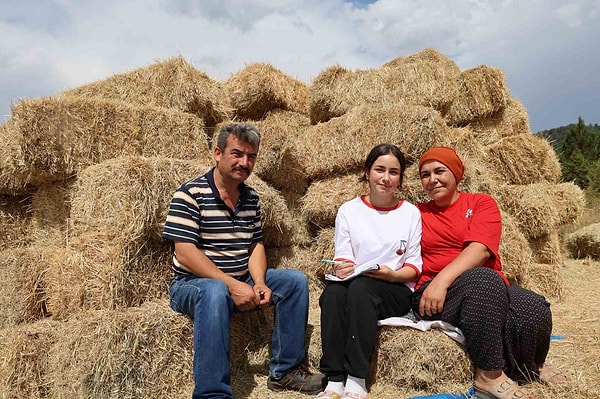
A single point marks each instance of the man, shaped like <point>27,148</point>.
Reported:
<point>220,267</point>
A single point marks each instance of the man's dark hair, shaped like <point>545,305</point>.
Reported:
<point>243,131</point>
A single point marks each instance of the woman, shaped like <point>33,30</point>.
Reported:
<point>507,328</point>
<point>373,229</point>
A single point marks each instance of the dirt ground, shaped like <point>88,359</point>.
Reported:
<point>576,318</point>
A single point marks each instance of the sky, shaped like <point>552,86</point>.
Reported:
<point>549,50</point>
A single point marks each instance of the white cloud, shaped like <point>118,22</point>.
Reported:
<point>547,48</point>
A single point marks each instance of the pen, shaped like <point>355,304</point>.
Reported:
<point>333,262</point>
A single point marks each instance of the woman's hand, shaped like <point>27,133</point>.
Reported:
<point>432,299</point>
<point>383,273</point>
<point>344,269</point>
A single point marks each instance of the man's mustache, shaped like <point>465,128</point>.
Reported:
<point>241,168</point>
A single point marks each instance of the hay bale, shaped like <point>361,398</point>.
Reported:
<point>585,242</point>
<point>277,164</point>
<point>16,178</point>
<point>51,212</point>
<point>406,80</point>
<point>146,351</point>
<point>511,120</point>
<point>24,351</point>
<point>546,280</point>
<point>418,360</point>
<point>23,296</point>
<point>324,197</point>
<point>523,159</point>
<point>172,83</point>
<point>15,221</point>
<point>482,93</point>
<point>97,272</point>
<point>260,88</point>
<point>59,137</point>
<point>342,144</point>
<point>134,352</point>
<point>515,252</point>
<point>547,248</point>
<point>569,200</point>
<point>531,206</point>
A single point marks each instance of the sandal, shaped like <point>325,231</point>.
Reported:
<point>507,389</point>
<point>328,395</point>
<point>552,376</point>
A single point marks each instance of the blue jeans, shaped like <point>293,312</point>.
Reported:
<point>209,303</point>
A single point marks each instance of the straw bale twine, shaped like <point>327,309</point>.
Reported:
<point>511,120</point>
<point>420,81</point>
<point>259,88</point>
<point>172,83</point>
<point>62,136</point>
<point>126,353</point>
<point>324,197</point>
<point>23,296</point>
<point>24,351</point>
<point>482,93</point>
<point>515,253</point>
<point>342,144</point>
<point>15,221</point>
<point>585,242</point>
<point>531,206</point>
<point>419,360</point>
<point>546,280</point>
<point>547,248</point>
<point>523,159</point>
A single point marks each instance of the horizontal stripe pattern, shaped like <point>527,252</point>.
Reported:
<point>198,215</point>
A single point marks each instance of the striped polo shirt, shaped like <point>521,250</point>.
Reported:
<point>197,214</point>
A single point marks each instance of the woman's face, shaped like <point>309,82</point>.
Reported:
<point>438,183</point>
<point>384,175</point>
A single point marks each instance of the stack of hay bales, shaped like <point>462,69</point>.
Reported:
<point>86,179</point>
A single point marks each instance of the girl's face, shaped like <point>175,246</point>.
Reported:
<point>438,183</point>
<point>384,175</point>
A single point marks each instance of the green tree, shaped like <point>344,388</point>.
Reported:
<point>594,177</point>
<point>576,169</point>
<point>579,151</point>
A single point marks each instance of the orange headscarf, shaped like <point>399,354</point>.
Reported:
<point>448,157</point>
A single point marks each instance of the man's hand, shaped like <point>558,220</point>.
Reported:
<point>263,294</point>
<point>243,295</point>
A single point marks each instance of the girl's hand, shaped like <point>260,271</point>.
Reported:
<point>383,273</point>
<point>432,300</point>
<point>343,270</point>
